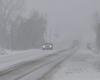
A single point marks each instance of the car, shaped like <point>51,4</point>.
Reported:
<point>47,46</point>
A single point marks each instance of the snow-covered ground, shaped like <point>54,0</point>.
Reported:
<point>84,65</point>
<point>67,21</point>
<point>67,64</point>
<point>12,57</point>
<point>31,64</point>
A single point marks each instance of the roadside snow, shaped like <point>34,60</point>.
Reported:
<point>82,66</point>
<point>14,57</point>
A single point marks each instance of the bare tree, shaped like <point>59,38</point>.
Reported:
<point>17,32</point>
<point>9,11</point>
<point>30,33</point>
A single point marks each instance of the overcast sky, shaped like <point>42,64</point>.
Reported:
<point>68,19</point>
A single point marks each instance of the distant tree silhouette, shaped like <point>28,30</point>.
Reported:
<point>29,33</point>
<point>97,31</point>
<point>98,37</point>
<point>9,10</point>
<point>17,32</point>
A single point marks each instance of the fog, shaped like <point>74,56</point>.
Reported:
<point>69,20</point>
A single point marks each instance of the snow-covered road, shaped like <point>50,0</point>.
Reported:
<point>84,65</point>
<point>72,63</point>
<point>29,66</point>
